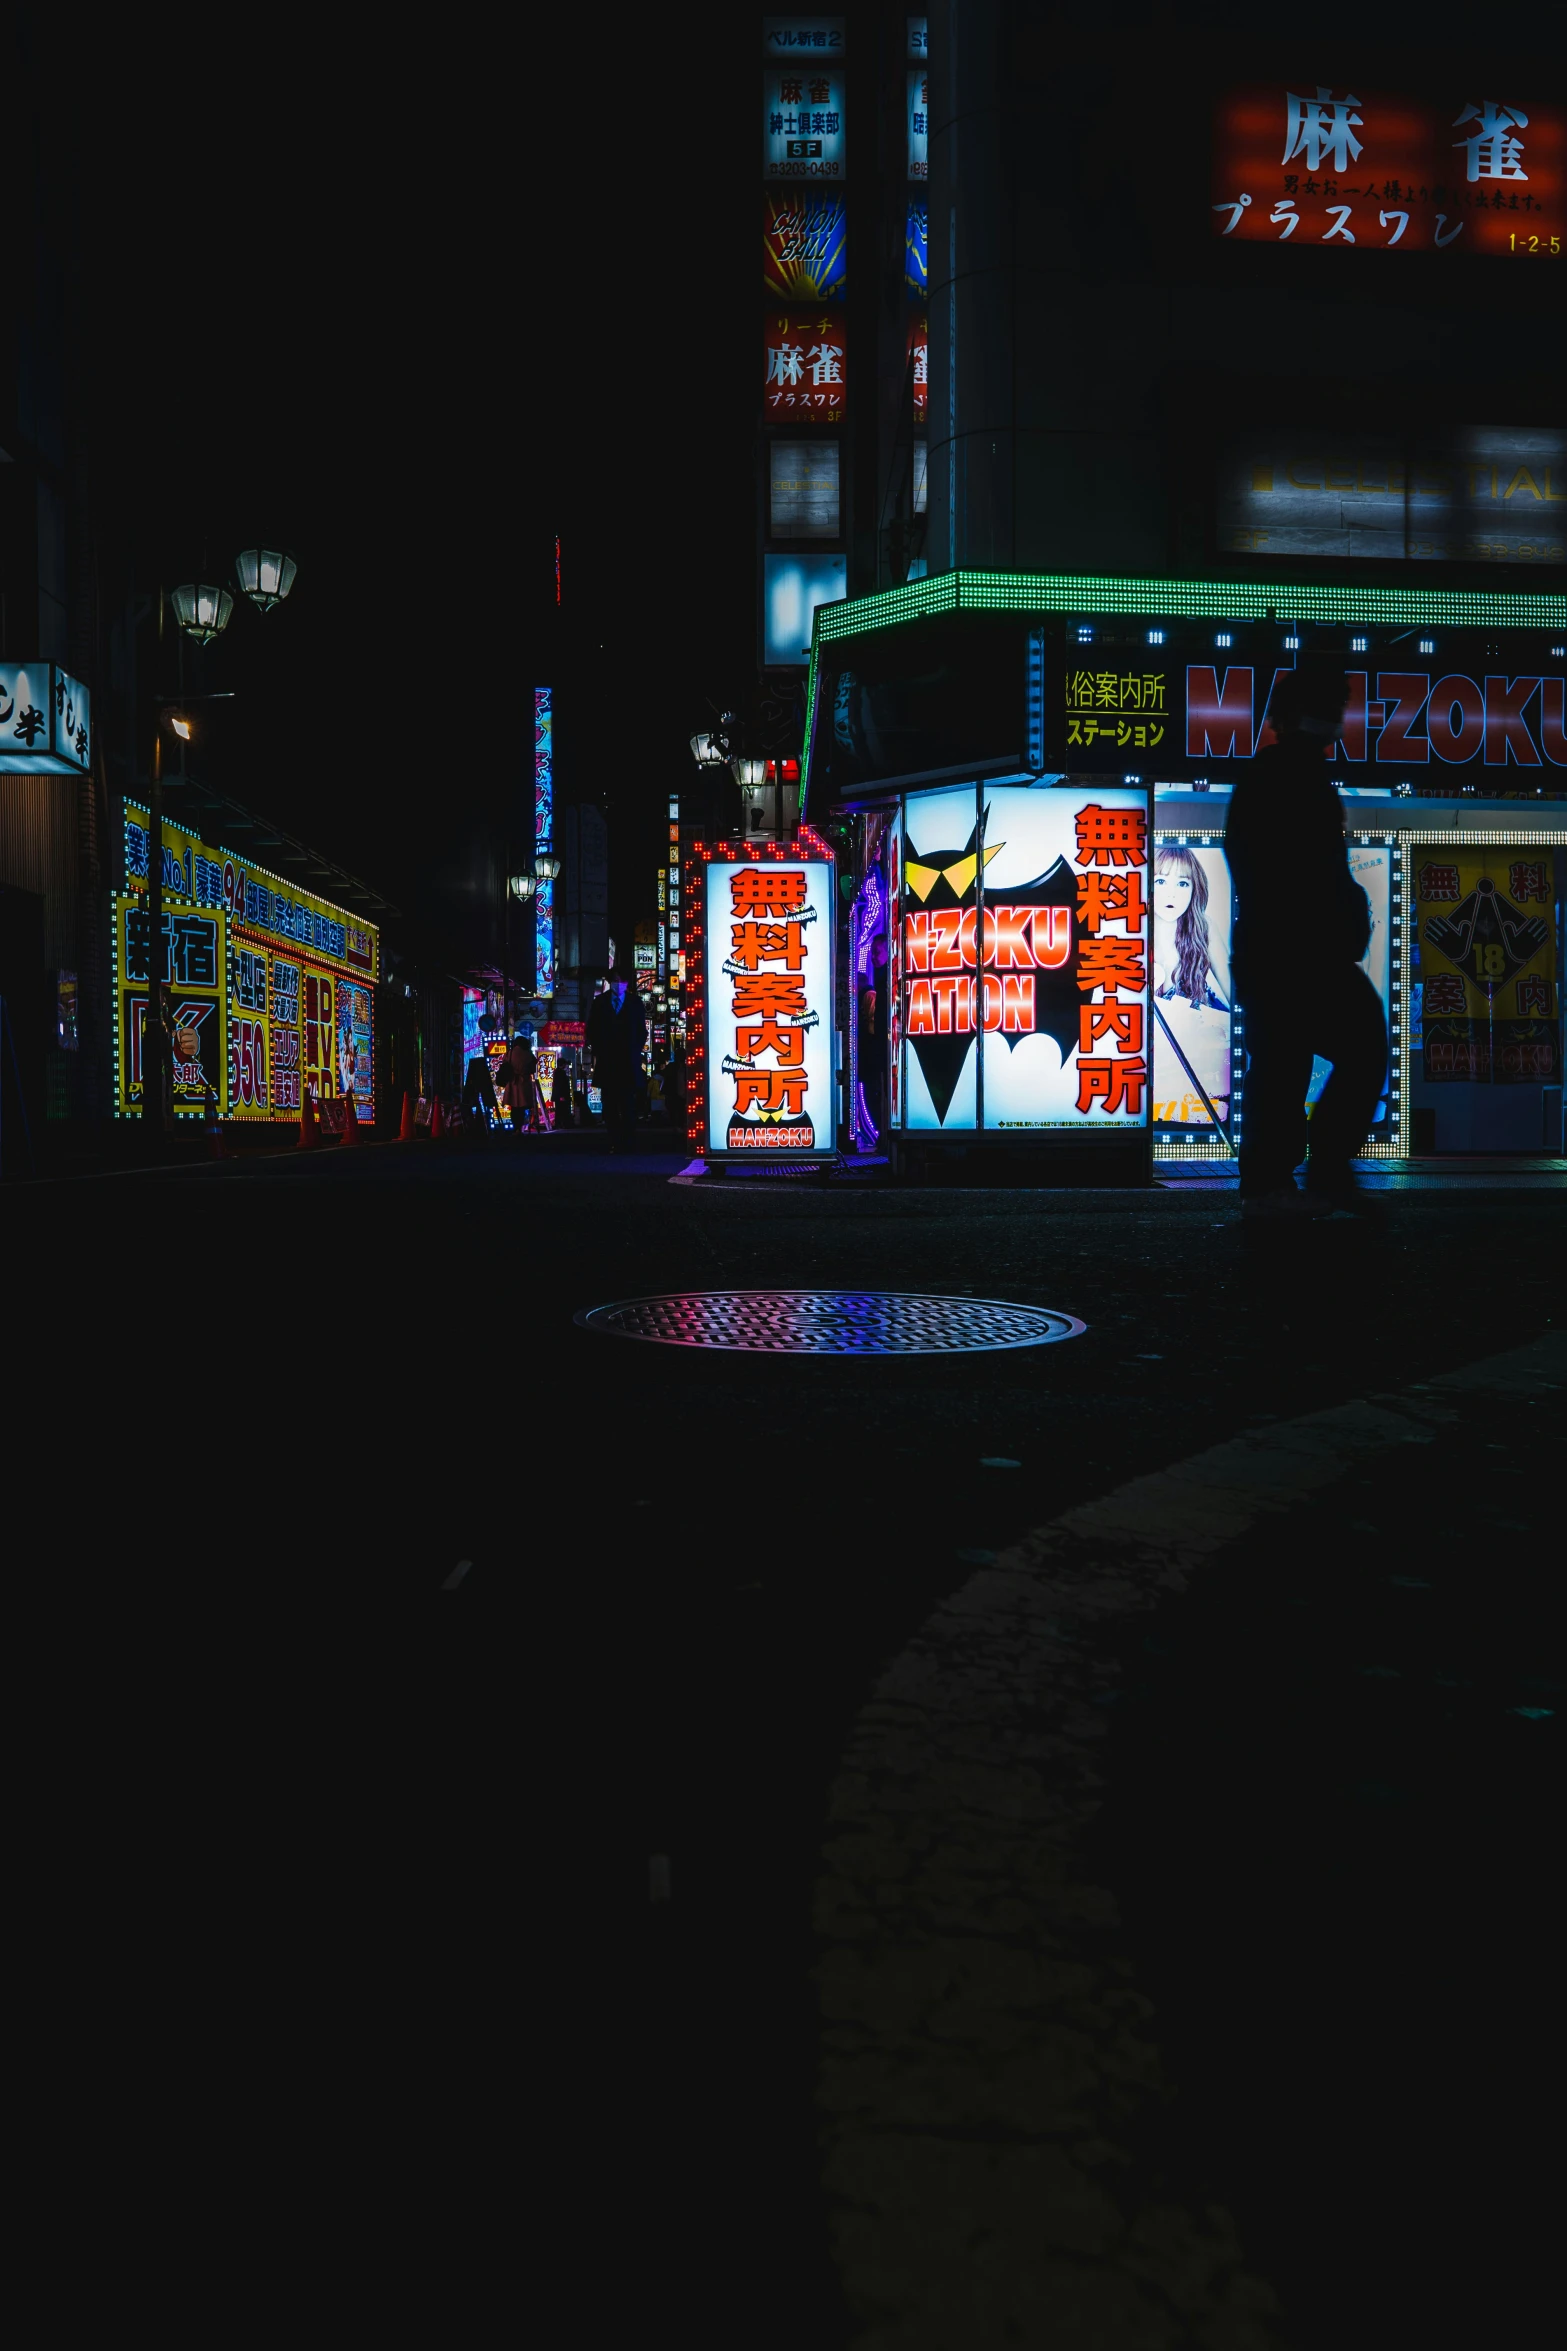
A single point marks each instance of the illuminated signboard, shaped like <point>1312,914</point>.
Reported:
<point>786,38</point>
<point>761,981</point>
<point>275,983</point>
<point>919,367</point>
<point>918,118</point>
<point>1022,965</point>
<point>975,691</point>
<point>1489,1011</point>
<point>805,246</point>
<point>792,588</point>
<point>1179,714</point>
<point>1311,165</point>
<point>805,367</point>
<point>803,490</point>
<point>1497,494</point>
<point>1400,718</point>
<point>916,248</point>
<point>45,720</point>
<point>1193,1058</point>
<point>543,901</point>
<point>803,130</point>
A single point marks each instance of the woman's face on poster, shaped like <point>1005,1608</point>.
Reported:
<point>1172,894</point>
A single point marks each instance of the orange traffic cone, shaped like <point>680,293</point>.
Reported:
<point>350,1121</point>
<point>437,1119</point>
<point>407,1130</point>
<point>309,1132</point>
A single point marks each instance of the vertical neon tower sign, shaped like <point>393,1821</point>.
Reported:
<point>543,838</point>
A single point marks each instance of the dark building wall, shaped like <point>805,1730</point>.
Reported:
<point>51,827</point>
<point>1093,344</point>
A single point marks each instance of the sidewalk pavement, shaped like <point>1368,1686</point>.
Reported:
<point>1182,1914</point>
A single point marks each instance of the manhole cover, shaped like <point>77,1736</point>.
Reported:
<point>831,1322</point>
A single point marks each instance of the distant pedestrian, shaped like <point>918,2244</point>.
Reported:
<point>517,1075</point>
<point>560,1093</point>
<point>1302,923</point>
<point>480,1109</point>
<point>617,1032</point>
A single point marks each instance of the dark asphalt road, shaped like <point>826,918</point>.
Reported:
<point>1325,1815</point>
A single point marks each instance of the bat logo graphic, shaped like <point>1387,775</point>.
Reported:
<point>1027,983</point>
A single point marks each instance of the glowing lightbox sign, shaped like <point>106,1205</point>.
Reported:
<point>786,38</point>
<point>805,367</point>
<point>45,720</point>
<point>803,120</point>
<point>916,248</point>
<point>805,245</point>
<point>1314,165</point>
<point>792,588</point>
<point>543,833</point>
<point>918,120</point>
<point>276,984</point>
<point>761,983</point>
<point>1021,970</point>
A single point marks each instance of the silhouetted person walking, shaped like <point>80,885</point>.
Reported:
<point>1302,923</point>
<point>617,1032</point>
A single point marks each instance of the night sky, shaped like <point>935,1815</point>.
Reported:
<point>401,315</point>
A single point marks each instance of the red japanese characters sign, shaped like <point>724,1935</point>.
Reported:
<point>1308,164</point>
<point>762,993</point>
<point>805,367</point>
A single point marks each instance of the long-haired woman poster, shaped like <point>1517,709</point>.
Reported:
<point>1190,892</point>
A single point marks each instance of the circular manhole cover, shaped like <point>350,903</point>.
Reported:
<point>831,1322</point>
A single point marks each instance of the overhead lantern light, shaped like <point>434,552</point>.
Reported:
<point>546,865</point>
<point>748,772</point>
<point>706,752</point>
<point>523,886</point>
<point>266,575</point>
<point>202,610</point>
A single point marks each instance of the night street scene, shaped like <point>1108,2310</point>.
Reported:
<point>826,986</point>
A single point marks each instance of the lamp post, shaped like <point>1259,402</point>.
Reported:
<point>202,609</point>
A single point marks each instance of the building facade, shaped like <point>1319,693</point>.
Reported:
<point>1206,368</point>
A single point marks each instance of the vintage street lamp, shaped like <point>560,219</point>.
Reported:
<point>265,575</point>
<point>523,886</point>
<point>202,610</point>
<point>706,751</point>
<point>546,865</point>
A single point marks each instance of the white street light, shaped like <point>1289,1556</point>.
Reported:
<point>266,575</point>
<point>202,610</point>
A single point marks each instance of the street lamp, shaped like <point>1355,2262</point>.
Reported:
<point>265,575</point>
<point>546,865</point>
<point>202,610</point>
<point>523,886</point>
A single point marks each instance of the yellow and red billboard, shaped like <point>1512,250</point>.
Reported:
<point>272,984</point>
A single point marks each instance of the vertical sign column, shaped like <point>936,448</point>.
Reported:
<point>805,346</point>
<point>543,836</point>
<point>767,959</point>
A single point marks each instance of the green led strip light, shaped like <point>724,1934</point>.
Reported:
<point>1239,600</point>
